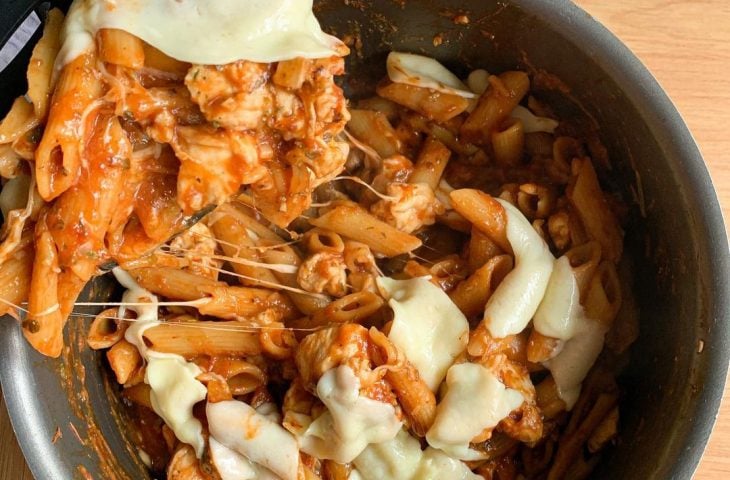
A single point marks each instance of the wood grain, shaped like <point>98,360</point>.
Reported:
<point>12,464</point>
<point>686,45</point>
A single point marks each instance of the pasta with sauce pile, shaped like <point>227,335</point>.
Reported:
<point>417,285</point>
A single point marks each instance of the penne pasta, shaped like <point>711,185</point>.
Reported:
<point>357,224</point>
<point>485,213</point>
<point>603,298</point>
<point>213,298</point>
<point>157,60</point>
<point>19,120</point>
<point>236,243</point>
<point>40,67</point>
<point>191,339</point>
<point>431,163</point>
<point>242,377</point>
<point>541,348</point>
<point>501,97</point>
<point>292,73</point>
<point>106,330</point>
<point>587,198</point>
<point>472,294</point>
<point>120,48</point>
<point>414,395</point>
<point>508,143</point>
<point>15,275</point>
<point>584,260</point>
<point>58,157</point>
<point>481,249</point>
<point>432,104</point>
<point>323,241</point>
<point>374,129</point>
<point>44,325</point>
<point>124,360</point>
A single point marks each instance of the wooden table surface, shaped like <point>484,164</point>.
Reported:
<point>686,45</point>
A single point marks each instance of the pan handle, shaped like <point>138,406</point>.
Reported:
<point>14,14</point>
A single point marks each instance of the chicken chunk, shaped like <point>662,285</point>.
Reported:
<point>412,206</point>
<point>323,272</point>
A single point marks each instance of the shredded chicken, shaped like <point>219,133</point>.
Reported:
<point>412,206</point>
<point>323,272</point>
<point>197,246</point>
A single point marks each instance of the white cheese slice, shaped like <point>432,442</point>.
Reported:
<point>402,458</point>
<point>351,421</point>
<point>570,367</point>
<point>475,399</point>
<point>436,464</point>
<point>173,387</point>
<point>173,392</point>
<point>427,326</point>
<point>230,464</point>
<point>515,301</point>
<point>531,123</point>
<point>421,71</point>
<point>559,313</point>
<point>242,429</point>
<point>399,457</point>
<point>215,33</point>
<point>355,475</point>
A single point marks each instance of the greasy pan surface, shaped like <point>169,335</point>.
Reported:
<point>680,253</point>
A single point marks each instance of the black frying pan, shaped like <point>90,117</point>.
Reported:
<point>672,387</point>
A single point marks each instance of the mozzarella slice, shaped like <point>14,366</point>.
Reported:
<point>233,466</point>
<point>436,464</point>
<point>215,32</point>
<point>427,326</point>
<point>531,123</point>
<point>242,429</point>
<point>421,71</point>
<point>516,299</point>
<point>475,399</point>
<point>230,465</point>
<point>173,387</point>
<point>174,391</point>
<point>351,421</point>
<point>570,367</point>
<point>402,458</point>
<point>560,313</point>
<point>399,457</point>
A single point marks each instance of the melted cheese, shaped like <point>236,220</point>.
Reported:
<point>355,475</point>
<point>531,123</point>
<point>516,299</point>
<point>426,72</point>
<point>402,458</point>
<point>427,326</point>
<point>172,380</point>
<point>230,465</point>
<point>396,458</point>
<point>173,392</point>
<point>215,33</point>
<point>351,421</point>
<point>559,312</point>
<point>14,194</point>
<point>436,464</point>
<point>560,315</point>
<point>475,399</point>
<point>238,427</point>
<point>570,367</point>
